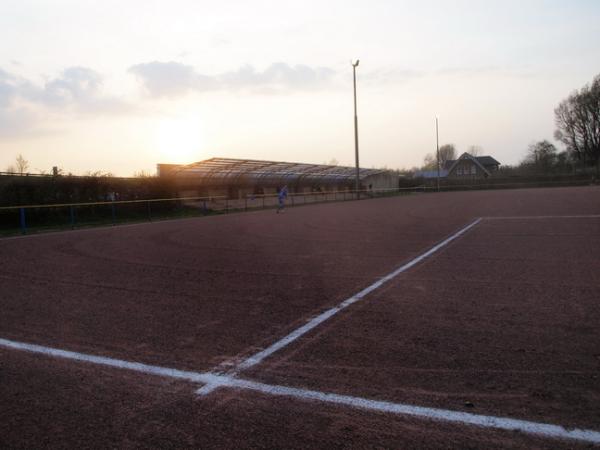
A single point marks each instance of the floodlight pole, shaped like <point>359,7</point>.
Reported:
<point>357,181</point>
<point>437,146</point>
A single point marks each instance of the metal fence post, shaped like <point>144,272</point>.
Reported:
<point>22,219</point>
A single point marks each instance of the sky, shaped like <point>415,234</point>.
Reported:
<point>119,86</point>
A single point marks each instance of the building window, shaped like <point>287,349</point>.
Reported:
<point>459,171</point>
<point>473,170</point>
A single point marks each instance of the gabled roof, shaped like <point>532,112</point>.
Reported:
<point>483,160</point>
<point>472,158</point>
<point>487,161</point>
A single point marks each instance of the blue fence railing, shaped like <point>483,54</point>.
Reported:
<point>34,218</point>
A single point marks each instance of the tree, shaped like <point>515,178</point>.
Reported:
<point>564,162</point>
<point>429,162</point>
<point>475,150</point>
<point>541,155</point>
<point>22,164</point>
<point>447,153</point>
<point>578,124</point>
<point>98,174</point>
<point>143,174</point>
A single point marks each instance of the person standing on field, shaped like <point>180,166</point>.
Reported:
<point>281,196</point>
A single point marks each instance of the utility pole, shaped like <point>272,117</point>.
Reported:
<point>357,181</point>
<point>437,146</point>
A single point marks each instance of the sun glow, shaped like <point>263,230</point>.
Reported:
<point>179,141</point>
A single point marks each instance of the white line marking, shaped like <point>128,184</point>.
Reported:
<point>208,388</point>
<point>258,357</point>
<point>580,216</point>
<point>213,381</point>
<point>111,362</point>
<point>503,423</point>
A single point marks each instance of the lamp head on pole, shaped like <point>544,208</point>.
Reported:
<point>355,64</point>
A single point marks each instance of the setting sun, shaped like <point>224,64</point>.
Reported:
<point>180,140</point>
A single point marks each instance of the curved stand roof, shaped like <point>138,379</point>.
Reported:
<point>251,172</point>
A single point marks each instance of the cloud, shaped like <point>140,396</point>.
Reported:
<point>487,71</point>
<point>279,76</point>
<point>76,85</point>
<point>392,75</point>
<point>15,120</point>
<point>24,105</point>
<point>11,87</point>
<point>172,79</point>
<point>468,70</point>
<point>81,89</point>
<point>78,88</point>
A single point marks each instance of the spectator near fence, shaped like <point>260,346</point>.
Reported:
<point>281,196</point>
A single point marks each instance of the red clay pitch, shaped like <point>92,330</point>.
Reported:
<point>194,294</point>
<point>57,404</point>
<point>489,322</point>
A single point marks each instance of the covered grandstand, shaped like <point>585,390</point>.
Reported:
<point>240,177</point>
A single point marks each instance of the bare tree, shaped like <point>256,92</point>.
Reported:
<point>143,174</point>
<point>447,153</point>
<point>578,124</point>
<point>475,150</point>
<point>98,174</point>
<point>22,164</point>
<point>541,155</point>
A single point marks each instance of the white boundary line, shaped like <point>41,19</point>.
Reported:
<point>444,415</point>
<point>502,423</point>
<point>575,216</point>
<point>111,362</point>
<point>258,357</point>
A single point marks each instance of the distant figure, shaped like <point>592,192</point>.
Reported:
<point>281,196</point>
